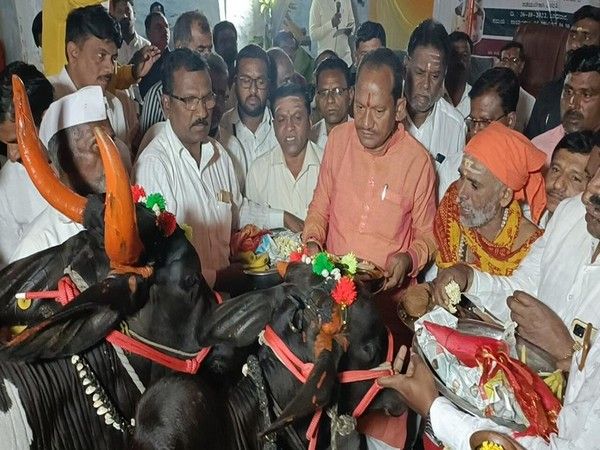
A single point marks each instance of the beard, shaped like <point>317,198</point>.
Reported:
<point>252,111</point>
<point>478,218</point>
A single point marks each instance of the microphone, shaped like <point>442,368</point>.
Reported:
<point>338,6</point>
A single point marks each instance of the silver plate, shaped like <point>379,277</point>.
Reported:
<point>537,359</point>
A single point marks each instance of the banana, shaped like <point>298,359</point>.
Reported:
<point>555,381</point>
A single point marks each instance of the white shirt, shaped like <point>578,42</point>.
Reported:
<point>578,421</point>
<point>322,33</point>
<point>204,196</point>
<point>524,108</point>
<point>557,270</point>
<point>127,51</point>
<point>318,132</point>
<point>21,203</point>
<point>49,229</point>
<point>271,183</point>
<point>252,144</point>
<point>464,106</point>
<point>64,85</point>
<point>443,134</point>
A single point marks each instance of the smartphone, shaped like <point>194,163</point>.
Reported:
<point>578,330</point>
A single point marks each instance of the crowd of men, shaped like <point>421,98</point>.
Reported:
<point>399,160</point>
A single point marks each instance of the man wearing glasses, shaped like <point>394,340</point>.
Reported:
<point>494,98</point>
<point>193,171</point>
<point>333,98</point>
<point>580,99</point>
<point>250,121</point>
<point>512,56</point>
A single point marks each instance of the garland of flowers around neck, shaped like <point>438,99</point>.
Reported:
<point>165,221</point>
<point>342,271</point>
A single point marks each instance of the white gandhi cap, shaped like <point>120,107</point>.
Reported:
<point>84,106</point>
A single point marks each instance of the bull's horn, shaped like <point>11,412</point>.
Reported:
<point>121,240</point>
<point>35,159</point>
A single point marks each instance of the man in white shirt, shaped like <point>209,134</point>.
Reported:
<point>193,171</point>
<point>122,11</point>
<point>432,120</point>
<point>250,121</point>
<point>93,39</point>
<point>20,200</point>
<point>285,177</point>
<point>459,67</point>
<point>333,97</point>
<point>67,132</point>
<point>512,56</point>
<point>329,25</point>
<point>493,98</point>
<point>561,270</point>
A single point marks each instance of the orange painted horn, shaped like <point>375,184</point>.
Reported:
<point>35,159</point>
<point>121,239</point>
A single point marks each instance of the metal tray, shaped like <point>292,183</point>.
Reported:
<point>537,359</point>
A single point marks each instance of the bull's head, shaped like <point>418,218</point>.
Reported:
<point>152,279</point>
<point>293,310</point>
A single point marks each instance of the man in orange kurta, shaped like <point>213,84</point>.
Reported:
<point>375,196</point>
<point>376,190</point>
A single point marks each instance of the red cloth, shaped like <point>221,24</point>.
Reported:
<point>513,160</point>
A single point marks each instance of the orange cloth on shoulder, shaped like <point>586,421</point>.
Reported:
<point>515,161</point>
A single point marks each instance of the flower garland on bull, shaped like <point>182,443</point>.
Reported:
<point>338,274</point>
<point>156,203</point>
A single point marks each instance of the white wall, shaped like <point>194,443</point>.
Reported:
<point>16,17</point>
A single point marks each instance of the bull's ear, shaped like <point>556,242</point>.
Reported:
<point>315,393</point>
<point>238,321</point>
<point>82,323</point>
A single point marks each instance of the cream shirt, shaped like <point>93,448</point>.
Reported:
<point>557,270</point>
<point>64,85</point>
<point>252,144</point>
<point>204,196</point>
<point>464,106</point>
<point>21,203</point>
<point>578,421</point>
<point>271,183</point>
<point>443,134</point>
<point>524,108</point>
<point>323,34</point>
<point>127,51</point>
<point>49,229</point>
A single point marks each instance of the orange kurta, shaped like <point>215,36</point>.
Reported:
<point>374,206</point>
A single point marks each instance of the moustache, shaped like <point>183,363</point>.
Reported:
<point>595,200</point>
<point>572,114</point>
<point>200,122</point>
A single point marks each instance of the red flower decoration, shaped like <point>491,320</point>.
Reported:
<point>167,223</point>
<point>344,292</point>
<point>138,192</point>
<point>297,255</point>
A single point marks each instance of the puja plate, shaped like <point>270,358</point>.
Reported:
<point>264,279</point>
<point>537,359</point>
<point>370,275</point>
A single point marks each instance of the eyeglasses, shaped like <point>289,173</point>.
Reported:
<point>247,82</point>
<point>480,123</point>
<point>512,60</point>
<point>191,103</point>
<point>335,92</point>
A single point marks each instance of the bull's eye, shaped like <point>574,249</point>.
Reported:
<point>189,281</point>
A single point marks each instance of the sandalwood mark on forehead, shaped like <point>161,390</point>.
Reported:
<point>473,166</point>
<point>369,99</point>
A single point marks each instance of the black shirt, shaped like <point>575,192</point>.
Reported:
<point>546,111</point>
